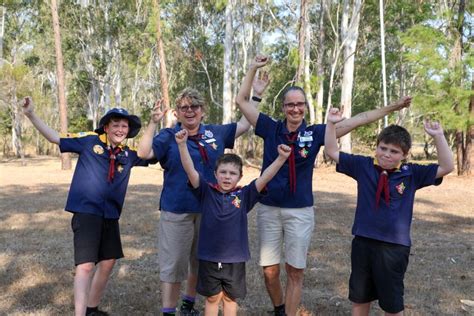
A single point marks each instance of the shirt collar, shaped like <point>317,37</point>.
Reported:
<point>376,163</point>
<point>301,128</point>
<point>105,141</point>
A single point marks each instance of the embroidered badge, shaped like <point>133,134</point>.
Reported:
<point>214,146</point>
<point>236,202</point>
<point>208,133</point>
<point>400,188</point>
<point>99,150</point>
<point>120,168</point>
<point>303,152</point>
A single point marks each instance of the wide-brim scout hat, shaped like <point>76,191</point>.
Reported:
<point>134,123</point>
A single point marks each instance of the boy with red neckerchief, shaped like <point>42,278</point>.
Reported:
<point>386,187</point>
<point>95,198</point>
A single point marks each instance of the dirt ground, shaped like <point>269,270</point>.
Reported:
<point>36,256</point>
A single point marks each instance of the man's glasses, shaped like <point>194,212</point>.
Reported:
<point>186,108</point>
<point>299,105</point>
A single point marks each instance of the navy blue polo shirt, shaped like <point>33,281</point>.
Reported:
<point>90,191</point>
<point>388,223</point>
<point>223,236</point>
<point>176,196</point>
<point>309,141</point>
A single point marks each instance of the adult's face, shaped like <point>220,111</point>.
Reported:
<point>294,107</point>
<point>189,114</point>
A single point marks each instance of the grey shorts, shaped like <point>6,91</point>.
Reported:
<point>291,228</point>
<point>177,245</point>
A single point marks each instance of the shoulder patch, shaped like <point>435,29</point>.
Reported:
<point>76,135</point>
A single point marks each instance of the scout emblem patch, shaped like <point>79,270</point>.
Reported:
<point>400,188</point>
<point>208,133</point>
<point>120,168</point>
<point>303,152</point>
<point>99,150</point>
<point>236,202</point>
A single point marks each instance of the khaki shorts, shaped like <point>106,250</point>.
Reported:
<point>177,245</point>
<point>291,227</point>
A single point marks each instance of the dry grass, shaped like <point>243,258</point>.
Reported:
<point>36,259</point>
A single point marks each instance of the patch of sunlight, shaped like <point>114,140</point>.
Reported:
<point>18,221</point>
<point>134,253</point>
<point>32,275</point>
<point>5,260</point>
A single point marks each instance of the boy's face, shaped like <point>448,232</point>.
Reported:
<point>116,130</point>
<point>389,156</point>
<point>227,175</point>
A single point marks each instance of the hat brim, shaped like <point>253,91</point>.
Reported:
<point>134,123</point>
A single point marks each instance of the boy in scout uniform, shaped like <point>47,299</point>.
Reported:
<point>95,198</point>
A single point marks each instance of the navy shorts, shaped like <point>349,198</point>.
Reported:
<point>214,278</point>
<point>95,238</point>
<point>378,270</point>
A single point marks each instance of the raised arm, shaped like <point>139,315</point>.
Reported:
<point>145,150</point>
<point>445,156</point>
<point>186,160</point>
<point>284,152</point>
<point>259,85</point>
<point>330,140</point>
<point>243,97</point>
<point>50,134</point>
<point>344,127</point>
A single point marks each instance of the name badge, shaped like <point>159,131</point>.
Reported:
<point>306,138</point>
<point>210,140</point>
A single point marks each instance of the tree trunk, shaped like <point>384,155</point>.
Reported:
<point>2,32</point>
<point>301,41</point>
<point>227,84</point>
<point>320,65</point>
<point>469,151</point>
<point>382,47</point>
<point>65,157</point>
<point>163,72</point>
<point>350,34</point>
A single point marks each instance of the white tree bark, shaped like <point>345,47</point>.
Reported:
<point>227,84</point>
<point>350,34</point>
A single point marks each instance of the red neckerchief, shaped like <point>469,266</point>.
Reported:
<point>382,185</point>
<point>112,157</point>
<point>202,150</point>
<point>216,187</point>
<point>291,138</point>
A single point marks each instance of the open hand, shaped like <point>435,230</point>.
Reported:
<point>284,150</point>
<point>181,136</point>
<point>157,113</point>
<point>260,83</point>
<point>433,128</point>
<point>335,115</point>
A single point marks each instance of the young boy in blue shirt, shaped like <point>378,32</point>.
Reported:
<point>95,198</point>
<point>223,241</point>
<point>386,187</point>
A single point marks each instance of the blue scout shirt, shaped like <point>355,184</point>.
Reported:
<point>90,191</point>
<point>223,236</point>
<point>387,223</point>
<point>176,196</point>
<point>310,140</point>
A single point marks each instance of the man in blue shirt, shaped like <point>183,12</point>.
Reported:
<point>223,242</point>
<point>96,198</point>
<point>386,187</point>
